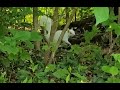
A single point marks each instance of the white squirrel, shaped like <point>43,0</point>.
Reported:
<point>46,24</point>
<point>68,33</point>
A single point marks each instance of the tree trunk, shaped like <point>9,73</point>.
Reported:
<point>62,34</point>
<point>35,25</point>
<point>53,30</point>
<point>119,15</point>
<point>67,14</point>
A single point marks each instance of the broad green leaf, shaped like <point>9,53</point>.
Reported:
<point>35,36</point>
<point>22,35</point>
<point>106,69</point>
<point>61,73</point>
<point>116,57</point>
<point>114,70</point>
<point>111,19</point>
<point>9,49</point>
<point>101,14</point>
<point>50,67</point>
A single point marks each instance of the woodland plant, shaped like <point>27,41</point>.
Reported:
<point>20,62</point>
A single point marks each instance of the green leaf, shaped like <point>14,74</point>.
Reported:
<point>6,62</point>
<point>50,67</point>
<point>25,55</point>
<point>34,67</point>
<point>9,49</point>
<point>24,72</point>
<point>30,80</point>
<point>70,69</point>
<point>12,57</point>
<point>116,27</point>
<point>30,44</point>
<point>67,78</point>
<point>81,68</point>
<point>113,80</point>
<point>40,74</point>
<point>61,73</point>
<point>106,69</point>
<point>75,49</point>
<point>25,81</point>
<point>116,57</point>
<point>22,35</point>
<point>45,81</point>
<point>101,14</point>
<point>114,70</point>
<point>111,19</point>
<point>35,36</point>
<point>77,75</point>
<point>89,35</point>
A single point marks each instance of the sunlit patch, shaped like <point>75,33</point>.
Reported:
<point>110,26</point>
<point>29,18</point>
<point>47,67</point>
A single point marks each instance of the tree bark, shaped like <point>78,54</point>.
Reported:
<point>67,14</point>
<point>55,24</point>
<point>119,15</point>
<point>35,25</point>
<point>62,34</point>
<point>53,30</point>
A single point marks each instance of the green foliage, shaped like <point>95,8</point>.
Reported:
<point>116,57</point>
<point>112,70</point>
<point>49,68</point>
<point>61,73</point>
<point>83,63</point>
<point>3,78</point>
<point>75,49</point>
<point>89,35</point>
<point>101,14</point>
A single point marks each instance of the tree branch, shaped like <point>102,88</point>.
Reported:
<point>35,25</point>
<point>62,34</point>
<point>55,24</point>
